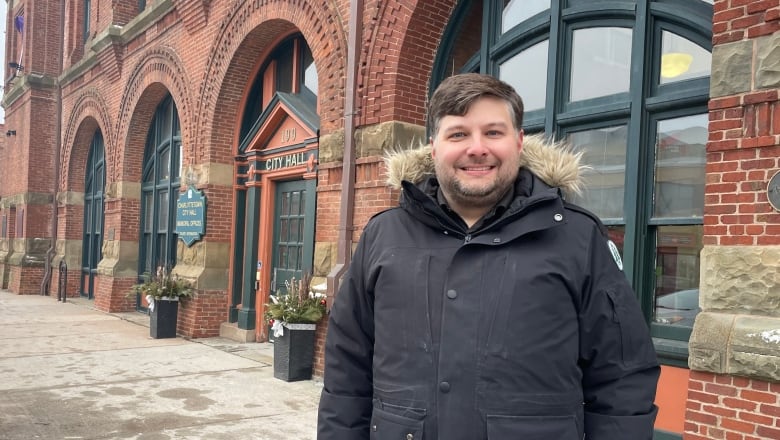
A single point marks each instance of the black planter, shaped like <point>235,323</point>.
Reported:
<point>163,319</point>
<point>294,352</point>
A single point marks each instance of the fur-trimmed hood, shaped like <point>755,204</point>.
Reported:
<point>553,162</point>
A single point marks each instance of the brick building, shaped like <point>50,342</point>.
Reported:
<point>278,113</point>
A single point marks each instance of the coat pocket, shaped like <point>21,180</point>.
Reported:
<point>389,426</point>
<point>532,428</point>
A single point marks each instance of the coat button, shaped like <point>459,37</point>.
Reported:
<point>452,294</point>
<point>558,217</point>
<point>373,428</point>
<point>410,436</point>
<point>444,387</point>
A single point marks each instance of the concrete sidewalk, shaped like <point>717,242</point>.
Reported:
<point>69,371</point>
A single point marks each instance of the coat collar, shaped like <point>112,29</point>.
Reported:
<point>554,163</point>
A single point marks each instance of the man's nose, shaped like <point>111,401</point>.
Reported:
<point>477,146</point>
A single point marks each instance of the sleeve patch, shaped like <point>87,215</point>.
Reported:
<point>615,254</point>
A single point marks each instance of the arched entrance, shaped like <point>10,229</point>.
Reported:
<point>275,182</point>
<point>92,239</point>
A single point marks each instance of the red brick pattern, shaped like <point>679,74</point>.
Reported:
<point>736,20</point>
<point>731,408</point>
<point>743,150</point>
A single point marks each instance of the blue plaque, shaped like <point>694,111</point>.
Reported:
<point>191,216</point>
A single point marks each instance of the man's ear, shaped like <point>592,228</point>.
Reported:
<point>520,134</point>
<point>433,146</point>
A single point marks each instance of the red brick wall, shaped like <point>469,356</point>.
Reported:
<point>744,140</point>
<point>742,154</point>
<point>731,408</point>
<point>736,20</point>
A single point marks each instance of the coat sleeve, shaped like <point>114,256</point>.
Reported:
<point>618,360</point>
<point>346,402</point>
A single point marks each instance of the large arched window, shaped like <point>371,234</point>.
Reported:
<point>627,83</point>
<point>289,69</point>
<point>92,239</point>
<point>160,188</point>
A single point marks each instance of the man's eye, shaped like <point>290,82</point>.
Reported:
<point>457,135</point>
<point>494,133</point>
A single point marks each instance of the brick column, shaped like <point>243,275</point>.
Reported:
<point>734,354</point>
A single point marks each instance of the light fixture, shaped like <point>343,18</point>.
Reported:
<point>674,64</point>
<point>10,133</point>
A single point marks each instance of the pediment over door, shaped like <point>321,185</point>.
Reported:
<point>287,122</point>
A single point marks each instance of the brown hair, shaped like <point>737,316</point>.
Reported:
<point>456,94</point>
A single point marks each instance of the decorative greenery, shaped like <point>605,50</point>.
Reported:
<point>164,284</point>
<point>296,306</point>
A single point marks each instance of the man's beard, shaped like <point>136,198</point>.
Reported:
<point>485,194</point>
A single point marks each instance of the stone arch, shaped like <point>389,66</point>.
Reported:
<point>243,37</point>
<point>89,113</point>
<point>419,27</point>
<point>160,72</point>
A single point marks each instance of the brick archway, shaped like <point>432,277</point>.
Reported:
<point>160,72</point>
<point>419,27</point>
<point>89,113</point>
<point>243,36</point>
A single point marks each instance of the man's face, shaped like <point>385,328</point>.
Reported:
<point>477,155</point>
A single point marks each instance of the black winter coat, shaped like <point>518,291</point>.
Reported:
<point>536,332</point>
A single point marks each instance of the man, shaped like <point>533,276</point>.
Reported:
<point>485,306</point>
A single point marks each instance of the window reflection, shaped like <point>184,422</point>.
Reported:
<point>680,167</point>
<point>527,73</point>
<point>604,152</point>
<point>517,11</point>
<point>310,78</point>
<point>601,62</point>
<point>682,59</point>
<point>467,40</point>
<point>677,274</point>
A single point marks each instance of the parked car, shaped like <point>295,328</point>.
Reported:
<point>677,308</point>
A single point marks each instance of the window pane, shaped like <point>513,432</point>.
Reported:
<point>680,167</point>
<point>296,203</point>
<point>165,164</point>
<point>148,211</point>
<point>601,62</point>
<point>284,230</point>
<point>294,230</point>
<point>284,68</point>
<point>149,253</point>
<point>162,211</point>
<point>282,264</point>
<point>165,118</point>
<point>604,152</point>
<point>682,59</point>
<point>517,11</point>
<point>527,73</point>
<point>467,39</point>
<point>177,162</point>
<point>677,274</point>
<point>310,78</point>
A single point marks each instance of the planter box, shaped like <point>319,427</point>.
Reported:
<point>294,352</point>
<point>163,318</point>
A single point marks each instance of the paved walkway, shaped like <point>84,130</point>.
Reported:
<point>68,371</point>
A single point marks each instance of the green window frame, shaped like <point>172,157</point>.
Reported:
<point>626,109</point>
<point>92,236</point>
<point>289,53</point>
<point>160,189</point>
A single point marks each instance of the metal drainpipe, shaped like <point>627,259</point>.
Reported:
<point>347,207</point>
<point>58,144</point>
